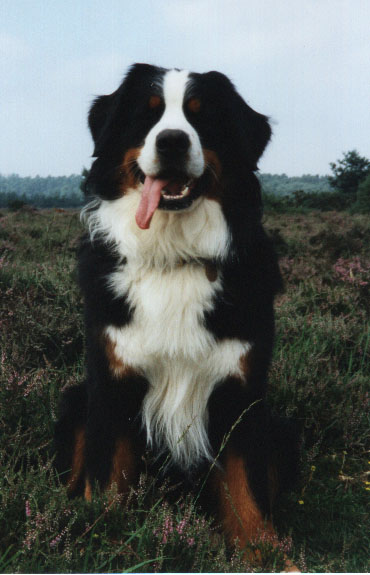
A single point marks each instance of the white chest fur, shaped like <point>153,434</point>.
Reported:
<point>166,339</point>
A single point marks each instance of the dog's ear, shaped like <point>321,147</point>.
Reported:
<point>98,115</point>
<point>253,129</point>
<point>109,115</point>
<point>248,131</point>
<point>101,119</point>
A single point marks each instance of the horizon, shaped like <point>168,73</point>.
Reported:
<point>258,172</point>
<point>304,65</point>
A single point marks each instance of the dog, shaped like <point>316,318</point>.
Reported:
<point>179,279</point>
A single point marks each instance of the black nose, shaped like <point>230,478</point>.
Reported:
<point>172,143</point>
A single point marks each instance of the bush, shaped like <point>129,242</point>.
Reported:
<point>16,204</point>
<point>349,173</point>
<point>302,201</point>
<point>362,204</point>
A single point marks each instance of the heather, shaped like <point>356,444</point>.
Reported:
<point>319,376</point>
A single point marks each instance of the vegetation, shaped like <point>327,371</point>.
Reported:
<point>350,189</point>
<point>362,204</point>
<point>349,172</point>
<point>319,375</point>
<point>303,202</point>
<point>282,185</point>
<point>62,191</point>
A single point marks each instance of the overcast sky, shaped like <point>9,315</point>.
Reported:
<point>304,63</point>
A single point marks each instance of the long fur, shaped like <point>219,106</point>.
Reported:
<point>179,316</point>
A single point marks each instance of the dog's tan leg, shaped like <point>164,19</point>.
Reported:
<point>123,465</point>
<point>123,470</point>
<point>238,509</point>
<point>88,490</point>
<point>239,512</point>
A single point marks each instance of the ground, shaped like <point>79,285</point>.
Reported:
<point>319,375</point>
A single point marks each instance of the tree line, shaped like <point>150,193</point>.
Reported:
<point>41,192</point>
<point>348,187</point>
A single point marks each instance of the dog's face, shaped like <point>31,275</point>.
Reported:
<point>175,136</point>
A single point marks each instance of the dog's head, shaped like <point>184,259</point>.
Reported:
<point>175,136</point>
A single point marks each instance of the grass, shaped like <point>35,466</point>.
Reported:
<point>319,374</point>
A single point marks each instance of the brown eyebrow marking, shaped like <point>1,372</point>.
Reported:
<point>154,102</point>
<point>194,105</point>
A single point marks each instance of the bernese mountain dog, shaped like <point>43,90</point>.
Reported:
<point>178,278</point>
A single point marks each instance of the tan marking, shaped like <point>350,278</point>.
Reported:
<point>194,105</point>
<point>88,490</point>
<point>128,173</point>
<point>154,102</point>
<point>213,163</point>
<point>211,271</point>
<point>245,363</point>
<point>78,460</point>
<point>290,567</point>
<point>117,367</point>
<point>123,465</point>
<point>240,514</point>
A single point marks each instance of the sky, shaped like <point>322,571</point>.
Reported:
<point>304,63</point>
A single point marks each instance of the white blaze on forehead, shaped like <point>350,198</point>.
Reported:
<point>173,118</point>
<point>174,86</point>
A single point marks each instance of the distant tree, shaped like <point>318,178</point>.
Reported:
<point>362,203</point>
<point>349,172</point>
<point>43,192</point>
<point>281,184</point>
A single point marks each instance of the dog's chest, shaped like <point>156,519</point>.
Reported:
<point>166,280</point>
<point>168,310</point>
<point>166,339</point>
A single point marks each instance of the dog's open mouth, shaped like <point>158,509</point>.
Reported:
<point>177,189</point>
<point>166,192</point>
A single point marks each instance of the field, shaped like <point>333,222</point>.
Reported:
<point>320,375</point>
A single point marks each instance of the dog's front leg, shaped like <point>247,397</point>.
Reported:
<point>113,444</point>
<point>239,512</point>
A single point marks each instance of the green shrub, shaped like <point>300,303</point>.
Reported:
<point>16,204</point>
<point>362,204</point>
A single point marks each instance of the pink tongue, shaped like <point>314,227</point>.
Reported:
<point>150,198</point>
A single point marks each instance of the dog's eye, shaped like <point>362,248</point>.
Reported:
<point>193,105</point>
<point>155,102</point>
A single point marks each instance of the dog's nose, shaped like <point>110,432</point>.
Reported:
<point>172,143</point>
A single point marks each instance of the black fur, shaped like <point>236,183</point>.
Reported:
<point>243,310</point>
